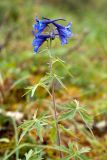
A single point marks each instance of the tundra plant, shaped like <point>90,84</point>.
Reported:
<point>69,110</point>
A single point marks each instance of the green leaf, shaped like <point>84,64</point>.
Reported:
<point>34,89</point>
<point>84,150</point>
<point>69,112</point>
<point>67,157</point>
<point>28,125</point>
<point>58,78</point>
<point>85,116</point>
<point>82,157</point>
<point>69,105</point>
<point>64,65</point>
<point>59,148</point>
<point>29,154</point>
<point>39,128</point>
<point>77,153</point>
<point>87,119</point>
<point>43,82</point>
<point>34,154</point>
<point>57,60</point>
<point>68,115</point>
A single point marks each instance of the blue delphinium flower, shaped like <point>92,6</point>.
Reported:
<point>40,39</point>
<point>42,24</point>
<point>64,32</point>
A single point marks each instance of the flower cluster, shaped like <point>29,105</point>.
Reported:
<point>63,32</point>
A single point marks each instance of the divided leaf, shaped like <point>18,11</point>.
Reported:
<point>69,111</point>
<point>58,78</point>
<point>43,82</point>
<point>34,154</point>
<point>37,124</point>
<point>85,116</point>
<point>68,115</point>
<point>63,64</point>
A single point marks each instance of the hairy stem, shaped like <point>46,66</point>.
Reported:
<point>54,103</point>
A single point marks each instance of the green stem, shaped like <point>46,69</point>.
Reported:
<point>16,137</point>
<point>54,103</point>
<point>30,146</point>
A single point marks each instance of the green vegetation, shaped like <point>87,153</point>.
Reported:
<point>85,78</point>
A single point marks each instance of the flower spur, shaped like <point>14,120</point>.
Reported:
<point>42,24</point>
<point>63,32</point>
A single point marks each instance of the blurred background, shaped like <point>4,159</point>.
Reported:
<point>86,57</point>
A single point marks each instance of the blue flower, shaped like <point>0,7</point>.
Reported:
<point>42,24</point>
<point>40,39</point>
<point>64,32</point>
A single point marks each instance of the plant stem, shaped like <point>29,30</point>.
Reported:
<point>55,117</point>
<point>54,103</point>
<point>16,137</point>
